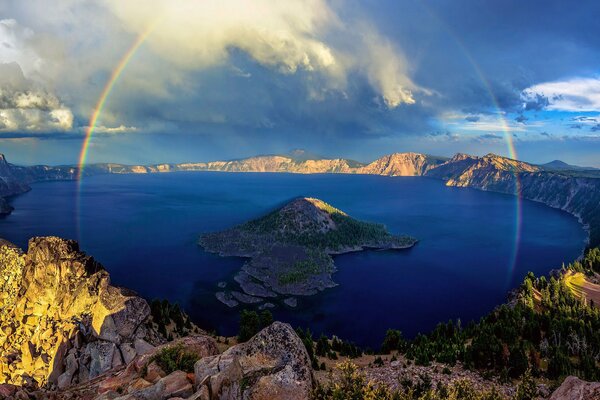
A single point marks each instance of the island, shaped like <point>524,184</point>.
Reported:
<point>290,250</point>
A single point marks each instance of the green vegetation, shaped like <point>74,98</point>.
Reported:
<point>548,330</point>
<point>349,232</point>
<point>175,358</point>
<point>252,322</point>
<point>353,385</point>
<point>165,313</point>
<point>315,263</point>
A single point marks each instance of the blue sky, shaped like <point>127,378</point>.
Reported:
<point>356,79</point>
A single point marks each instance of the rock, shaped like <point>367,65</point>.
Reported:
<point>7,390</point>
<point>273,364</point>
<point>177,384</point>
<point>226,299</point>
<point>291,302</point>
<point>128,351</point>
<point>61,317</point>
<point>154,373</point>
<point>102,356</point>
<point>245,298</point>
<point>142,347</point>
<point>222,285</point>
<point>574,388</point>
<point>249,286</point>
<point>266,306</point>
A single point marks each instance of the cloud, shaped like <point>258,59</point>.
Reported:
<point>26,107</point>
<point>472,118</point>
<point>489,136</point>
<point>521,119</point>
<point>291,36</point>
<point>575,94</point>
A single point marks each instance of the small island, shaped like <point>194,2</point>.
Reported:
<point>290,249</point>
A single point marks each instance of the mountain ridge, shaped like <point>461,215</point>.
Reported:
<point>577,192</point>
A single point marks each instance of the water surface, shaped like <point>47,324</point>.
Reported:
<point>144,229</point>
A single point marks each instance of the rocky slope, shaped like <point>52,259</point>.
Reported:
<point>290,249</point>
<point>579,196</point>
<point>61,321</point>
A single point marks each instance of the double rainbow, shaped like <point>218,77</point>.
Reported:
<point>124,61</point>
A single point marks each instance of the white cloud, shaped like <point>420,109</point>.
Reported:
<point>576,94</point>
<point>116,129</point>
<point>287,36</point>
<point>25,105</point>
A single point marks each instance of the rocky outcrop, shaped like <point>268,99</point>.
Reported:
<point>10,185</point>
<point>401,164</point>
<point>272,365</point>
<point>574,388</point>
<point>61,321</point>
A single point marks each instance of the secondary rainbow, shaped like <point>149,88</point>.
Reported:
<point>512,151</point>
<point>506,130</point>
<point>114,77</point>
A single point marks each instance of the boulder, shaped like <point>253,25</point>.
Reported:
<point>273,364</point>
<point>574,388</point>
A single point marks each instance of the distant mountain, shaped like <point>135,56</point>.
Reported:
<point>575,191</point>
<point>558,165</point>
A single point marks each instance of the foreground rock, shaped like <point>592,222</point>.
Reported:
<point>62,322</point>
<point>574,388</point>
<point>272,365</point>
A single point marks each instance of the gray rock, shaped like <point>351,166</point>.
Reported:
<point>142,347</point>
<point>291,302</point>
<point>574,388</point>
<point>245,298</point>
<point>226,299</point>
<point>266,306</point>
<point>273,364</point>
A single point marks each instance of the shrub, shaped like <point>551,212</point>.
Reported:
<point>175,358</point>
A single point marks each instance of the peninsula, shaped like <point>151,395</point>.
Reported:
<point>290,249</point>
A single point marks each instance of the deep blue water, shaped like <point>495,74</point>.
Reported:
<point>144,229</point>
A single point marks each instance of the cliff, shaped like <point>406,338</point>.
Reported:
<point>401,164</point>
<point>61,321</point>
<point>578,196</point>
<point>10,185</point>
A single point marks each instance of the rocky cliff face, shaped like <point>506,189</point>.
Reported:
<point>401,164</point>
<point>10,185</point>
<point>579,196</point>
<point>61,321</point>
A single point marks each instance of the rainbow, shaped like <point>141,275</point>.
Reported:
<point>512,151</point>
<point>505,128</point>
<point>114,77</point>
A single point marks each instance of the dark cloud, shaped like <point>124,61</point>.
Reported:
<point>537,102</point>
<point>489,136</point>
<point>595,128</point>
<point>472,118</point>
<point>521,119</point>
<point>576,126</point>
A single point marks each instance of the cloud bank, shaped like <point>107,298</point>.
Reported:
<point>576,94</point>
<point>290,36</point>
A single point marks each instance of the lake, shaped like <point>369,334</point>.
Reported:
<point>144,230</point>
